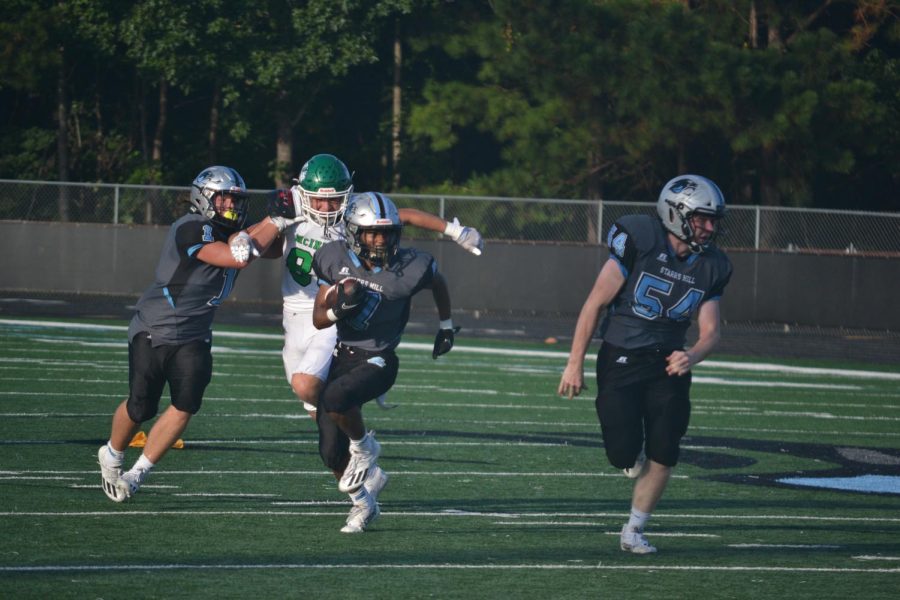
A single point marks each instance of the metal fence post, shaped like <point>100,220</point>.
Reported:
<point>756,232</point>
<point>116,206</point>
<point>600,222</point>
<point>441,207</point>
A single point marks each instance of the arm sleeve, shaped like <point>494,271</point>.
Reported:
<point>427,276</point>
<point>718,288</point>
<point>193,235</point>
<point>323,278</point>
<point>621,247</point>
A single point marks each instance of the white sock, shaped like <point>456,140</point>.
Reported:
<point>360,444</point>
<point>360,497</point>
<point>117,455</point>
<point>637,519</point>
<point>143,464</point>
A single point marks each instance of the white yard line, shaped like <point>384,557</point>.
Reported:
<point>562,356</point>
<point>433,567</point>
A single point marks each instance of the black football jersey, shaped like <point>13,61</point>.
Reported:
<point>389,291</point>
<point>180,304</point>
<point>661,291</point>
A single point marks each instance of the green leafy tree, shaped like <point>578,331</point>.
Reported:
<point>299,52</point>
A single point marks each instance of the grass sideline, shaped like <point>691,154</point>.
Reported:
<point>498,488</point>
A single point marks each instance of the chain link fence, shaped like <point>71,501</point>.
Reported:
<point>532,220</point>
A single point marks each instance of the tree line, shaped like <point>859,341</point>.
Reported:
<point>781,103</point>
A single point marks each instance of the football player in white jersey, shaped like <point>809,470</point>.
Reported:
<point>317,202</point>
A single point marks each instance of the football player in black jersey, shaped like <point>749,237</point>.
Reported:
<point>662,271</point>
<point>366,285</point>
<point>170,335</point>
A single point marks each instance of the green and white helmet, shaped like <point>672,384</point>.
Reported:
<point>323,176</point>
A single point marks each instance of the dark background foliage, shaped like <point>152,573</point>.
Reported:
<point>783,104</point>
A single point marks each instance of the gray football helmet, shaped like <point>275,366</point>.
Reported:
<point>683,197</point>
<point>323,176</point>
<point>368,211</point>
<point>218,180</point>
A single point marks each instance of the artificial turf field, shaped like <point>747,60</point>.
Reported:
<point>498,489</point>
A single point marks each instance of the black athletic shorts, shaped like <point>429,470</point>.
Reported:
<point>187,368</point>
<point>640,406</point>
<point>356,376</point>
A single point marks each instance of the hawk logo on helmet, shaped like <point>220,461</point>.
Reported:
<point>684,186</point>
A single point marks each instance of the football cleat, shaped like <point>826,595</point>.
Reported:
<point>361,516</point>
<point>634,542</point>
<point>109,474</point>
<point>362,460</point>
<point>129,483</point>
<point>376,481</point>
<point>635,471</point>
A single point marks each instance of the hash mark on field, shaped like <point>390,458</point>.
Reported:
<point>794,546</point>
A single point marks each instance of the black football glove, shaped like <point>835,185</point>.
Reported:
<point>280,203</point>
<point>348,304</point>
<point>443,341</point>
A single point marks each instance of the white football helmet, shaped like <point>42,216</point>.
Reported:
<point>683,197</point>
<point>322,176</point>
<point>218,180</point>
<point>368,211</point>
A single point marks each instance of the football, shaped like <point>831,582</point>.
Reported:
<point>351,287</point>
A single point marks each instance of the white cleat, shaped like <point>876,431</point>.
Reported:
<point>635,471</point>
<point>129,483</point>
<point>361,517</point>
<point>110,471</point>
<point>362,461</point>
<point>634,542</point>
<point>375,482</point>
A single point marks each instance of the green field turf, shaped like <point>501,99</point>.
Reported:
<point>499,489</point>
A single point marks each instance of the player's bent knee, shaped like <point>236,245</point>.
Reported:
<point>622,456</point>
<point>335,402</point>
<point>307,388</point>
<point>141,409</point>
<point>189,405</point>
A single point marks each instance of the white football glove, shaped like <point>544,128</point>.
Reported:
<point>282,223</point>
<point>242,247</point>
<point>467,237</point>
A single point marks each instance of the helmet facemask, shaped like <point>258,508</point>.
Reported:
<point>378,256</point>
<point>304,199</point>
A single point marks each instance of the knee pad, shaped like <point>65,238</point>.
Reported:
<point>622,455</point>
<point>189,404</point>
<point>141,409</point>
<point>333,399</point>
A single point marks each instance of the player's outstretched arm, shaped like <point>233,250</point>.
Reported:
<point>467,237</point>
<point>608,283</point>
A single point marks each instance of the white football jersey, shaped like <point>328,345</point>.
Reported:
<point>299,284</point>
